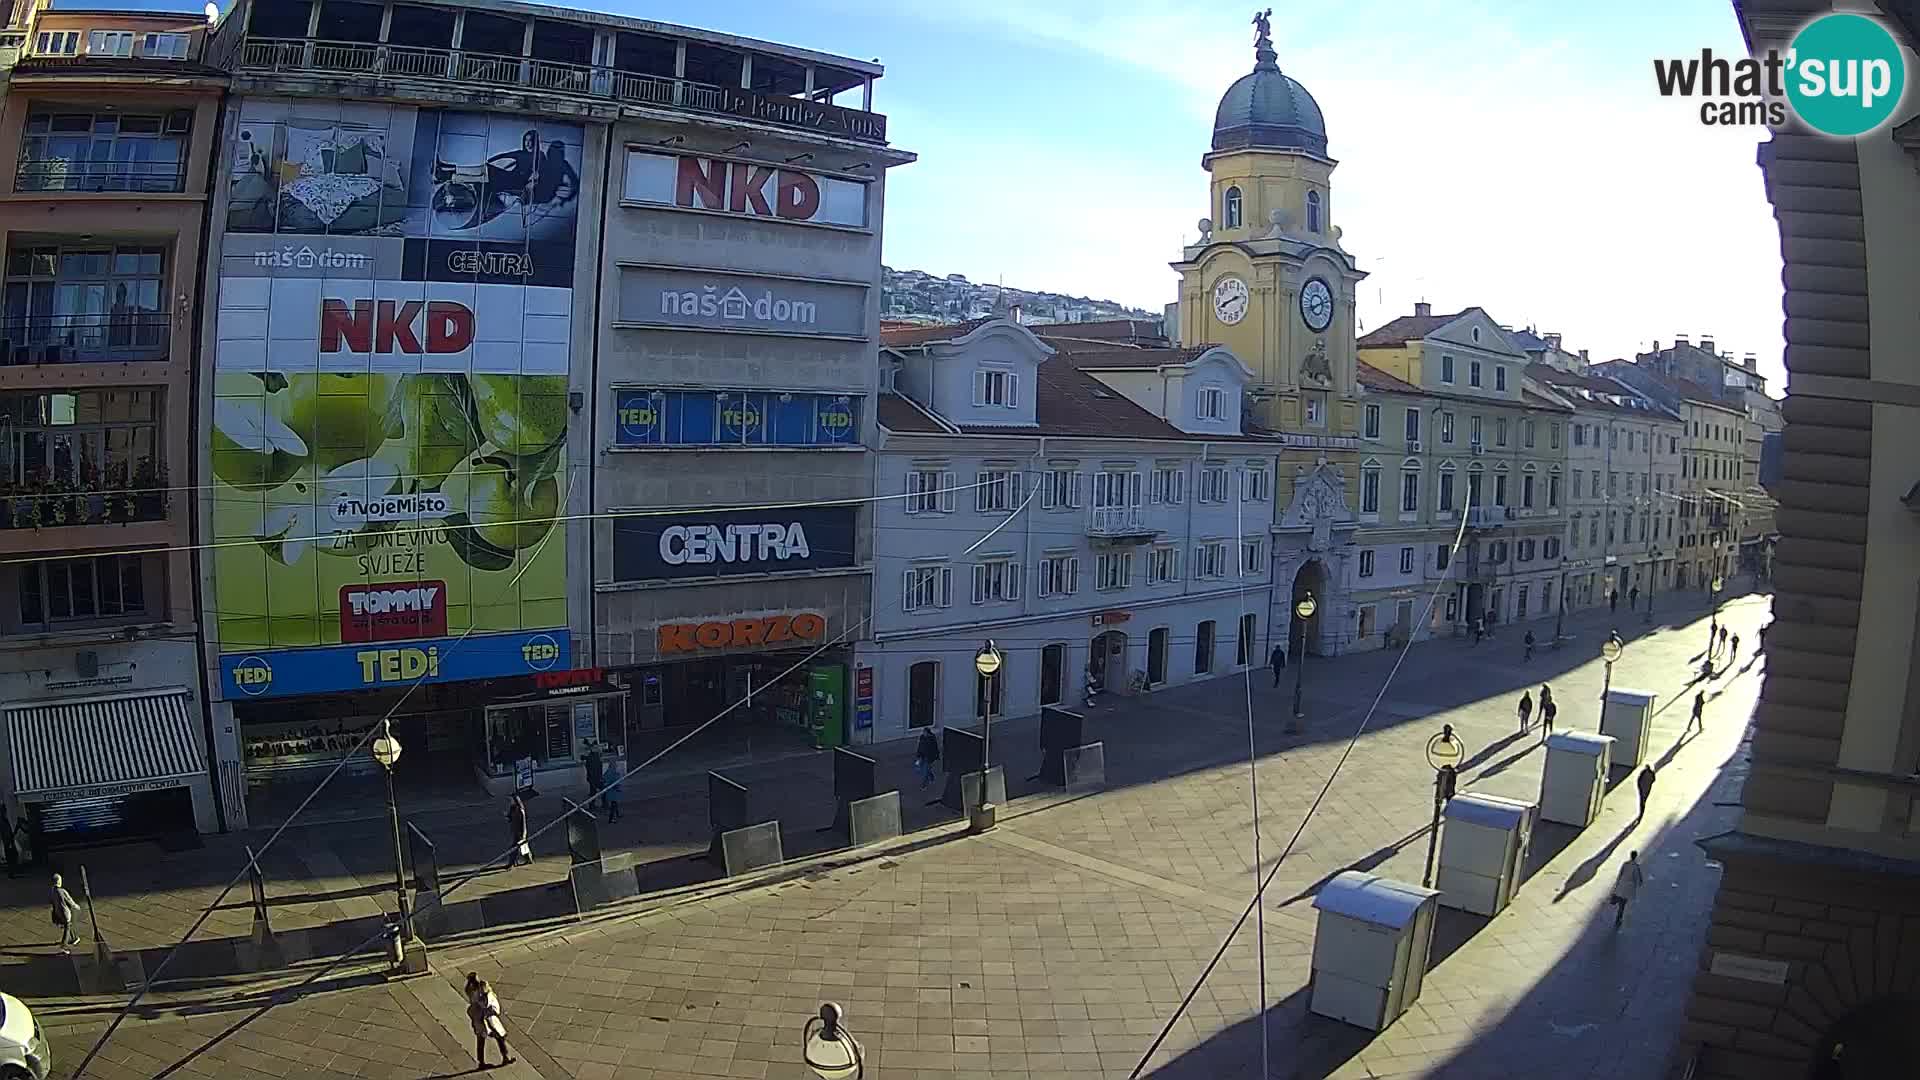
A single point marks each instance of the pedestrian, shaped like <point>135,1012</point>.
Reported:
<point>1734,656</point>
<point>596,773</point>
<point>6,842</point>
<point>1546,695</point>
<point>517,832</point>
<point>1479,629</point>
<point>616,780</point>
<point>1626,885</point>
<point>1645,782</point>
<point>1528,642</point>
<point>64,913</point>
<point>1277,660</point>
<point>1548,710</point>
<point>1526,710</point>
<point>1633,598</point>
<point>483,1010</point>
<point>927,753</point>
<point>1613,600</point>
<point>23,838</point>
<point>1699,711</point>
<point>1723,639</point>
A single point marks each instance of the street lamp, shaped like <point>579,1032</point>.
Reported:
<point>1610,651</point>
<point>408,954</point>
<point>1444,752</point>
<point>1653,582</point>
<point>830,1050</point>
<point>1303,609</point>
<point>987,662</point>
<point>1713,622</point>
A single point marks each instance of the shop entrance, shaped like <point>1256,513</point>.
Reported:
<point>1107,660</point>
<point>1053,673</point>
<point>290,744</point>
<point>764,703</point>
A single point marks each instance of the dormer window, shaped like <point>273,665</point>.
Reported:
<point>1213,403</point>
<point>993,387</point>
<point>1313,211</point>
<point>110,43</point>
<point>1230,210</point>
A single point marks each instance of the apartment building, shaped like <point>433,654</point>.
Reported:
<point>1504,440</point>
<point>1094,510</point>
<point>105,159</point>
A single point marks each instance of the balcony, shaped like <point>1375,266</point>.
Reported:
<point>293,56</point>
<point>1487,517</point>
<point>1124,524</point>
<point>127,337</point>
<point>66,174</point>
<point>42,505</point>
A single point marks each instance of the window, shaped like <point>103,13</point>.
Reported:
<point>1369,491</point>
<point>1256,484</point>
<point>1442,557</point>
<point>1475,490</point>
<point>1551,547</point>
<point>1213,484</point>
<point>1169,484</point>
<point>109,43</point>
<point>1499,376</point>
<point>1446,427</point>
<point>1613,438</point>
<point>1213,403</point>
<point>1613,487</point>
<point>1526,491</point>
<point>1673,444</point>
<point>1593,532</point>
<point>72,590</point>
<point>1366,562</point>
<point>1578,476</point>
<point>1476,333</point>
<point>1370,422</point>
<point>1409,491</point>
<point>998,491</point>
<point>1113,570</point>
<point>1113,489</point>
<point>1612,536</point>
<point>1163,565</point>
<point>1315,409</point>
<point>994,387</point>
<point>1473,431</point>
<point>1579,434</point>
<point>1413,426</point>
<point>86,304</point>
<point>1244,647</point>
<point>1253,558</point>
<point>1527,440</point>
<point>85,441</point>
<point>1313,211</point>
<point>1520,600</point>
<point>1203,648</point>
<point>927,586</point>
<point>1596,484</point>
<point>164,46</point>
<point>1446,492</point>
<point>996,580</point>
<point>1060,489</point>
<point>1500,489</point>
<point>57,43</point>
<point>1500,431</point>
<point>1230,209</point>
<point>1210,559</point>
<point>1406,560</point>
<point>1473,373</point>
<point>1497,551</point>
<point>1553,492</point>
<point>1446,369</point>
<point>106,151</point>
<point>1059,574</point>
<point>987,695</point>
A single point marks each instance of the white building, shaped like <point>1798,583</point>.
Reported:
<point>1114,527</point>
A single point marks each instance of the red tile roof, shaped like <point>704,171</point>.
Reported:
<point>1131,331</point>
<point>903,416</point>
<point>902,336</point>
<point>1375,379</point>
<point>1071,402</point>
<point>1407,328</point>
<point>1102,357</point>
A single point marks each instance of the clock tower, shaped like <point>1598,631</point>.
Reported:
<point>1269,280</point>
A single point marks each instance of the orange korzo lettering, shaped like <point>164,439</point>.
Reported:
<point>677,637</point>
<point>779,629</point>
<point>748,631</point>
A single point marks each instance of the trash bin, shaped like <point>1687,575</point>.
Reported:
<point>1483,851</point>
<point>1370,948</point>
<point>1628,717</point>
<point>1573,785</point>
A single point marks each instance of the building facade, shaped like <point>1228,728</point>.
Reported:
<point>105,161</point>
<point>1813,955</point>
<point>452,239</point>
<point>1409,512</point>
<point>1094,511</point>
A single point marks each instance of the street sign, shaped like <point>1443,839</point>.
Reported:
<point>1444,749</point>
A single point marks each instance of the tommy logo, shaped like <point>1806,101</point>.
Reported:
<point>393,612</point>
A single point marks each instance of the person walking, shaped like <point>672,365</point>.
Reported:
<point>483,1010</point>
<point>596,773</point>
<point>1526,710</point>
<point>517,832</point>
<point>1479,629</point>
<point>6,842</point>
<point>1733,657</point>
<point>1548,710</point>
<point>1696,721</point>
<point>616,781</point>
<point>1613,600</point>
<point>1277,660</point>
<point>926,754</point>
<point>65,911</point>
<point>1645,782</point>
<point>1626,885</point>
<point>1723,639</point>
<point>1633,598</point>
<point>1528,643</point>
<point>23,839</point>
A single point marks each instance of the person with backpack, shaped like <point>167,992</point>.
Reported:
<point>926,754</point>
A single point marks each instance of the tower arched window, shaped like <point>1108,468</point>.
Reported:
<point>1230,209</point>
<point>1313,211</point>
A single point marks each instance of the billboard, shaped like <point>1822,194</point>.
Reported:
<point>746,188</point>
<point>390,395</point>
<point>726,543</point>
<point>713,300</point>
<point>723,418</point>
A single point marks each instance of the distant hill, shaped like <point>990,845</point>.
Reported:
<point>917,296</point>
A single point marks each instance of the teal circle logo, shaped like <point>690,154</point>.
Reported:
<point>1845,74</point>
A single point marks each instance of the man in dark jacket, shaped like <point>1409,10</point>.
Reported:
<point>1277,660</point>
<point>926,754</point>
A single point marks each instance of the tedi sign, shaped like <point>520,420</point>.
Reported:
<point>753,189</point>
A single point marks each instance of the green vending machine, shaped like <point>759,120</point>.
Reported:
<point>827,705</point>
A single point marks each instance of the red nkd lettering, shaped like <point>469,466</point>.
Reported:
<point>388,326</point>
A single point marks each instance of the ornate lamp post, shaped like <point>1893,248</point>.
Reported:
<point>1713,622</point>
<point>987,662</point>
<point>1610,651</point>
<point>407,953</point>
<point>1653,582</point>
<point>1302,610</point>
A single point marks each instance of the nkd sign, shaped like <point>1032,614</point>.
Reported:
<point>411,327</point>
<point>746,188</point>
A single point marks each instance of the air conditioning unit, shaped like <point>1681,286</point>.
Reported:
<point>1478,449</point>
<point>1413,446</point>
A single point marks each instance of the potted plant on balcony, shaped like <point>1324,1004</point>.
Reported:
<point>29,501</point>
<point>148,500</point>
<point>115,500</point>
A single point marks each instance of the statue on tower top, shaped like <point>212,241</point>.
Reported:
<point>1263,52</point>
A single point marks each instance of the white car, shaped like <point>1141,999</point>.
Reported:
<point>24,1054</point>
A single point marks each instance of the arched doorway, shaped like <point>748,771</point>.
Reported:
<point>1107,661</point>
<point>1305,633</point>
<point>1878,1039</point>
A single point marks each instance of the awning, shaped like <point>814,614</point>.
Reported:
<point>91,747</point>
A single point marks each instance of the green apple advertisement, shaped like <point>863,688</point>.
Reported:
<point>390,411</point>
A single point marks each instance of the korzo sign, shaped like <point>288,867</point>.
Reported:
<point>746,188</point>
<point>704,300</point>
<point>652,547</point>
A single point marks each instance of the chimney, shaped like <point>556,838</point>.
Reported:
<point>1679,340</point>
<point>1749,362</point>
<point>1583,356</point>
<point>1014,314</point>
<point>1706,344</point>
<point>1553,341</point>
<point>1422,309</point>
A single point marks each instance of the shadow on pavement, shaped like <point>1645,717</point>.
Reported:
<point>1364,863</point>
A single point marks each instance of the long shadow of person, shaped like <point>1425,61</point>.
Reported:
<point>1586,870</point>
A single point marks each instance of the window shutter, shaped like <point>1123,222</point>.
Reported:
<point>947,484</point>
<point>906,590</point>
<point>1073,490</point>
<point>916,484</point>
<point>1073,575</point>
<point>1013,389</point>
<point>979,583</point>
<point>979,388</point>
<point>943,587</point>
<point>1013,489</point>
<point>982,492</point>
<point>1049,497</point>
<point>1015,571</point>
<point>1133,489</point>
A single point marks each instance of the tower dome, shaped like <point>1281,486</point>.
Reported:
<point>1265,109</point>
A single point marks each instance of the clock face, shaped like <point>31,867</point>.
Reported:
<point>1316,305</point>
<point>1230,300</point>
